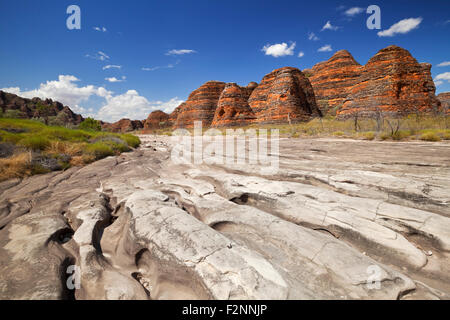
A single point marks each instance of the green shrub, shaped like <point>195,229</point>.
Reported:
<point>9,137</point>
<point>401,135</point>
<point>368,135</point>
<point>99,150</point>
<point>446,135</point>
<point>430,136</point>
<point>90,124</point>
<point>339,134</point>
<point>35,142</point>
<point>131,140</point>
<point>13,114</point>
<point>385,136</point>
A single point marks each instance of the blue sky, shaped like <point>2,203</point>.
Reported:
<point>166,49</point>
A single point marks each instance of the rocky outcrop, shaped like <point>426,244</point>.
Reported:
<point>233,108</point>
<point>445,101</point>
<point>200,106</point>
<point>123,126</point>
<point>284,95</point>
<point>157,120</point>
<point>332,80</point>
<point>53,112</point>
<point>145,227</point>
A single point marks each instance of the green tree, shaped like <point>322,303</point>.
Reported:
<point>90,125</point>
<point>44,111</point>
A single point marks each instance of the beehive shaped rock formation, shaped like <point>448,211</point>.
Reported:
<point>200,106</point>
<point>233,108</point>
<point>332,80</point>
<point>157,120</point>
<point>284,95</point>
<point>123,126</point>
<point>392,83</point>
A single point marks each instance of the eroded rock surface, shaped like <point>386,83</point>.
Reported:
<point>139,226</point>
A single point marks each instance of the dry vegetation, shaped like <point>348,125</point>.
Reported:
<point>426,128</point>
<point>38,148</point>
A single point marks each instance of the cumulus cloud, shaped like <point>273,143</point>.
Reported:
<point>312,36</point>
<point>329,26</point>
<point>325,48</point>
<point>401,27</point>
<point>438,83</point>
<point>131,105</point>
<point>444,64</point>
<point>64,90</point>
<point>353,11</point>
<point>101,29</point>
<point>279,49</point>
<point>180,52</point>
<point>114,79</point>
<point>112,66</point>
<point>301,54</point>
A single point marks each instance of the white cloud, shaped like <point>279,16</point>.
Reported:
<point>444,64</point>
<point>128,105</point>
<point>64,90</point>
<point>326,48</point>
<point>312,36</point>
<point>301,54</point>
<point>169,66</point>
<point>99,56</point>
<point>353,11</point>
<point>438,83</point>
<point>401,27</point>
<point>102,29</point>
<point>180,52</point>
<point>133,106</point>
<point>279,49</point>
<point>114,79</point>
<point>443,76</point>
<point>112,66</point>
<point>329,26</point>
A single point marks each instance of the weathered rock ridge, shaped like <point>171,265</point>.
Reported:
<point>139,226</point>
<point>38,108</point>
<point>392,82</point>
